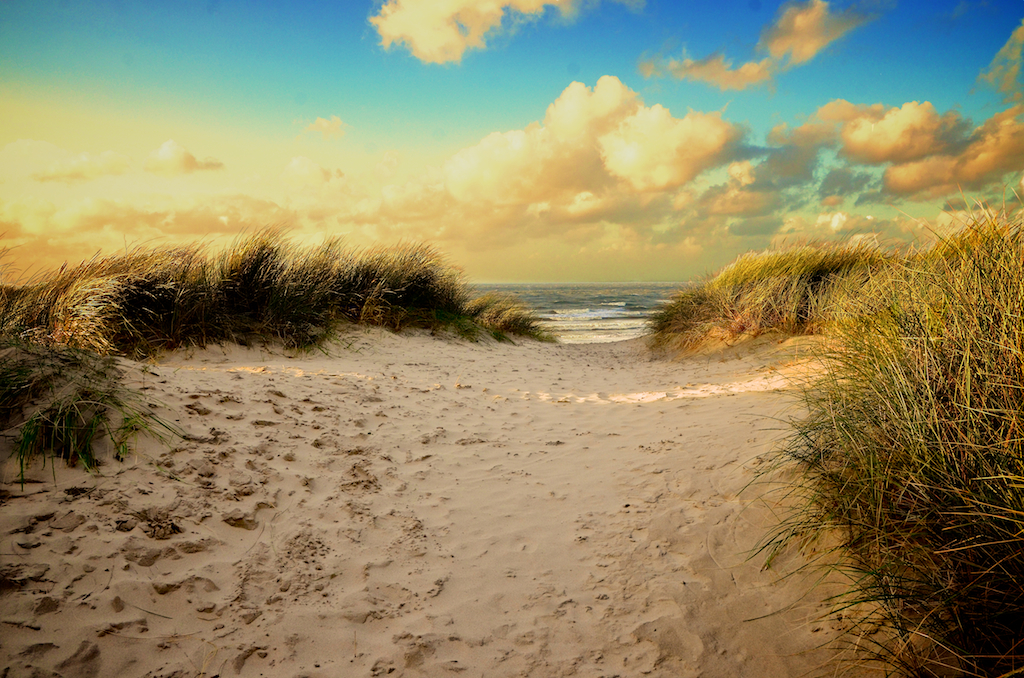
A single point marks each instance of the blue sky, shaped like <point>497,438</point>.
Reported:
<point>529,139</point>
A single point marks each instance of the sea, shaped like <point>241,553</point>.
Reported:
<point>591,313</point>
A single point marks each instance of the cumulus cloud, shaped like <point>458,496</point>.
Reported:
<point>993,150</point>
<point>800,32</point>
<point>85,167</point>
<point>926,155</point>
<point>171,159</point>
<point>600,161</point>
<point>655,151</point>
<point>1004,72</point>
<point>330,129</point>
<point>597,141</point>
<point>874,134</point>
<point>440,31</point>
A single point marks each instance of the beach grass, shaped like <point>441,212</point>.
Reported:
<point>59,385</point>
<point>60,400</point>
<point>789,291</point>
<point>909,463</point>
<point>910,460</point>
<point>262,287</point>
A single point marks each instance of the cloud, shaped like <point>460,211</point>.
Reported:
<point>598,141</point>
<point>655,151</point>
<point>875,135</point>
<point>301,172</point>
<point>715,70</point>
<point>853,227</point>
<point>85,167</point>
<point>43,236</point>
<point>330,129</point>
<point>171,159</point>
<point>925,154</point>
<point>993,150</point>
<point>841,182</point>
<point>440,31</point>
<point>800,32</point>
<point>600,162</point>
<point>928,155</point>
<point>1004,72</point>
<point>803,29</point>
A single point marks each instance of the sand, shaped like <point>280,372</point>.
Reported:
<point>418,506</point>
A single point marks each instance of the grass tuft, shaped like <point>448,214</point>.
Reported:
<point>505,314</point>
<point>61,400</point>
<point>913,456</point>
<point>263,287</point>
<point>795,291</point>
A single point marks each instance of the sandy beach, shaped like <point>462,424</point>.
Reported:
<point>418,506</point>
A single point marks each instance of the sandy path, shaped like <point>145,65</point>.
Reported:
<point>411,506</point>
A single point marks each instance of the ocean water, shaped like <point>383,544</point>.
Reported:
<point>590,313</point>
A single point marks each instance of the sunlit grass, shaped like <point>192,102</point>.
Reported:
<point>791,291</point>
<point>910,461</point>
<point>262,287</point>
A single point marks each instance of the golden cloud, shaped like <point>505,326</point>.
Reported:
<point>85,167</point>
<point>40,235</point>
<point>1004,72</point>
<point>803,29</point>
<point>330,129</point>
<point>799,33</point>
<point>171,159</point>
<point>994,149</point>
<point>875,135</point>
<point>654,151</point>
<point>440,31</point>
<point>715,70</point>
<point>928,155</point>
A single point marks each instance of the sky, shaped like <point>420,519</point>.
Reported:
<point>528,140</point>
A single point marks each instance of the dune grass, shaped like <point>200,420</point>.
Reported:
<point>910,460</point>
<point>791,291</point>
<point>61,400</point>
<point>262,287</point>
<point>59,385</point>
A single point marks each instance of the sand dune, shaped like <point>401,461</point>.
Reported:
<point>416,506</point>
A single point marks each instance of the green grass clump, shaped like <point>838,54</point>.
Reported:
<point>794,291</point>
<point>262,287</point>
<point>505,314</point>
<point>61,400</point>
<point>913,454</point>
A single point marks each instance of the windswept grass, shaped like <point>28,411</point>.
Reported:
<point>794,291</point>
<point>913,456</point>
<point>61,400</point>
<point>59,331</point>
<point>910,461</point>
<point>505,314</point>
<point>261,287</point>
